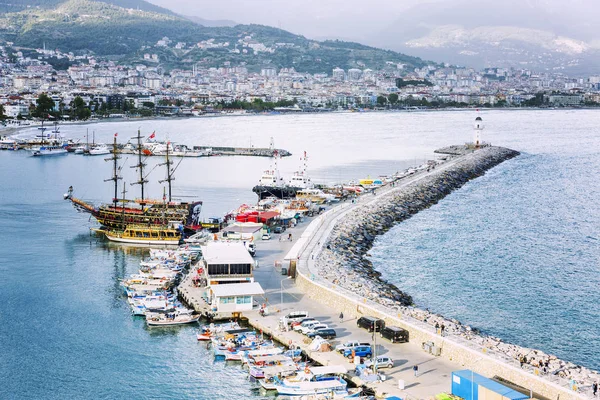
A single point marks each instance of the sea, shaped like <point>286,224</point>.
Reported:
<point>514,253</point>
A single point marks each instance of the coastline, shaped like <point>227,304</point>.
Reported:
<point>341,263</point>
<point>11,131</point>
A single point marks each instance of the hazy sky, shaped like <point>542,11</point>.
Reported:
<point>364,19</point>
<point>312,18</point>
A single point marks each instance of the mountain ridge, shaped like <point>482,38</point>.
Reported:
<point>108,29</point>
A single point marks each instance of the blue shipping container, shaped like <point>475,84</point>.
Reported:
<point>465,384</point>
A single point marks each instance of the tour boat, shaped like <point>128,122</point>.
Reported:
<point>140,234</point>
<point>120,213</point>
<point>49,151</point>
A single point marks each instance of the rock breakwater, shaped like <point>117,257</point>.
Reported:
<point>343,259</point>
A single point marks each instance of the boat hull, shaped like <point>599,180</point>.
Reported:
<point>192,320</point>
<point>281,192</point>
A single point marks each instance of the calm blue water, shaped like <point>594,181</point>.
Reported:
<point>528,237</point>
<point>515,253</point>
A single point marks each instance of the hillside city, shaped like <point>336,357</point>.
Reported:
<point>113,89</point>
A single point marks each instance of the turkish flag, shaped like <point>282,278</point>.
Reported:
<point>152,136</point>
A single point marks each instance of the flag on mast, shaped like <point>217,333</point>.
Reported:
<point>152,136</point>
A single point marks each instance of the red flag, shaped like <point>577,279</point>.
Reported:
<point>152,136</point>
<point>116,134</point>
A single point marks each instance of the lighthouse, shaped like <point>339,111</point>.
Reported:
<point>478,126</point>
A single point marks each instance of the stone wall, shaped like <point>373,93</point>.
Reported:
<point>463,356</point>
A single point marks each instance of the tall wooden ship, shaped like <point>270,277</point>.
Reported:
<point>152,213</point>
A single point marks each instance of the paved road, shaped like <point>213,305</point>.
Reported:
<point>283,297</point>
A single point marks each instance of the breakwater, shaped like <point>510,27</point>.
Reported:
<point>351,238</point>
<point>343,261</point>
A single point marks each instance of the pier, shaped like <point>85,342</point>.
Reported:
<point>318,283</point>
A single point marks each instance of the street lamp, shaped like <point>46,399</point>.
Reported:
<point>281,306</point>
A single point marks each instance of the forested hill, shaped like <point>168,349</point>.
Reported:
<point>128,29</point>
<point>10,6</point>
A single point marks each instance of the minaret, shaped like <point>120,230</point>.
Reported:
<point>478,126</point>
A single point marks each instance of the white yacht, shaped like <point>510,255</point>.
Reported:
<point>99,149</point>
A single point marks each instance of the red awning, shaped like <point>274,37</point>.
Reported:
<point>267,215</point>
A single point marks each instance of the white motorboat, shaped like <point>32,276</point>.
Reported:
<point>49,151</point>
<point>180,316</point>
<point>99,149</point>
<point>335,385</point>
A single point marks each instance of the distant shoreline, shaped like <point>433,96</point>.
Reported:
<point>13,130</point>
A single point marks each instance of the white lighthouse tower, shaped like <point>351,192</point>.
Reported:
<point>478,126</point>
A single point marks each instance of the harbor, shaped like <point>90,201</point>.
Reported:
<point>454,343</point>
<point>87,260</point>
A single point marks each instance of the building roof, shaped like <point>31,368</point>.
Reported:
<point>237,289</point>
<point>226,253</point>
<point>490,384</point>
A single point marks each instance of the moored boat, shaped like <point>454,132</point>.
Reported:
<point>49,151</point>
<point>141,234</point>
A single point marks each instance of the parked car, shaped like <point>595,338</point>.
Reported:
<point>305,324</point>
<point>299,322</point>
<point>309,327</point>
<point>314,328</point>
<point>349,345</point>
<point>394,334</point>
<point>266,236</point>
<point>296,316</point>
<point>251,247</point>
<point>361,351</point>
<point>380,362</point>
<point>371,323</point>
<point>327,333</point>
<point>279,229</point>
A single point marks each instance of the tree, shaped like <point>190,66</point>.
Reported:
<point>393,98</point>
<point>45,105</point>
<point>79,109</point>
<point>2,116</point>
<point>381,100</point>
<point>148,104</point>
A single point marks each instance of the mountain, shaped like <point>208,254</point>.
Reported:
<point>210,22</point>
<point>128,29</point>
<point>50,4</point>
<point>536,34</point>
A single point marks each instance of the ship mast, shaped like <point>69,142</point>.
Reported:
<point>123,207</point>
<point>115,177</point>
<point>169,177</point>
<point>140,165</point>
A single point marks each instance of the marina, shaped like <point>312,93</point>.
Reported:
<point>269,271</point>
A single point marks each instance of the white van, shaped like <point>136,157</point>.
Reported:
<point>295,316</point>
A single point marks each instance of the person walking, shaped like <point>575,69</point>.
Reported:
<point>442,327</point>
<point>341,317</point>
<point>416,370</point>
<point>595,388</point>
